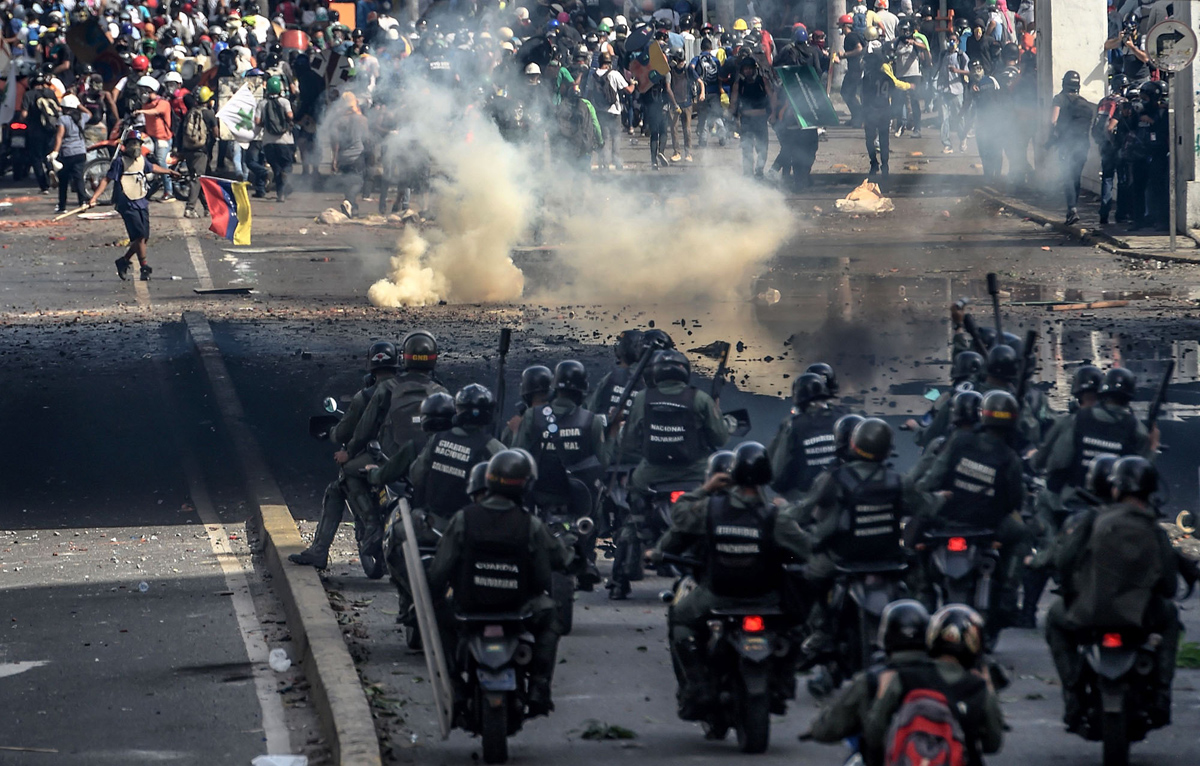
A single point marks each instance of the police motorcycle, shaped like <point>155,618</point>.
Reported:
<point>964,560</point>
<point>370,549</point>
<point>573,527</point>
<point>749,656</point>
<point>860,593</point>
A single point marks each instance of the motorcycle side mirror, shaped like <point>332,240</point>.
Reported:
<point>331,404</point>
<point>738,422</point>
<point>374,446</point>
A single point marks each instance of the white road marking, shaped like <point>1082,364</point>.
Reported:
<point>13,668</point>
<point>197,256</point>
<point>142,292</point>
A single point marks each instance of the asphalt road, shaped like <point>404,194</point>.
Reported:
<point>111,439</point>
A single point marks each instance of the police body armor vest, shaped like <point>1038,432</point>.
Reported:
<point>742,562</point>
<point>812,449</point>
<point>133,179</point>
<point>1094,437</point>
<point>565,450</point>
<point>496,562</point>
<point>672,430</point>
<point>614,389</point>
<point>402,423</point>
<point>869,527</point>
<point>445,488</point>
<point>975,483</point>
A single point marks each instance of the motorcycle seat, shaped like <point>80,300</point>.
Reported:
<point>870,567</point>
<point>493,616</point>
<point>742,611</point>
<point>945,533</point>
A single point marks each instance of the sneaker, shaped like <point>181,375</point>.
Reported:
<point>916,133</point>
<point>618,591</point>
<point>347,208</point>
<point>145,273</point>
<point>676,157</point>
<point>259,194</point>
<point>122,267</point>
<point>58,210</point>
<point>687,157</point>
<point>899,131</point>
<point>963,146</point>
<point>947,150</point>
<point>1072,217</point>
<point>168,200</point>
<point>612,167</point>
<point>190,213</point>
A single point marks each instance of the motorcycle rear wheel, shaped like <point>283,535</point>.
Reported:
<point>493,728</point>
<point>753,722</point>
<point>1115,730</point>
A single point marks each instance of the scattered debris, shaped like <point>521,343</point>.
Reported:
<point>599,730</point>
<point>1092,305</point>
<point>280,760</point>
<point>865,199</point>
<point>1188,656</point>
<point>278,660</point>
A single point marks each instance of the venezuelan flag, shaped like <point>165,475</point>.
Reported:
<point>229,206</point>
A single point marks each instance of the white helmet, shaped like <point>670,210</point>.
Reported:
<point>174,77</point>
<point>146,81</point>
<point>533,69</point>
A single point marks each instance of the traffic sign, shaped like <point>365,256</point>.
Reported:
<point>1171,45</point>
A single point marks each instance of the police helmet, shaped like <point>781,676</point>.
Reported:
<point>719,462</point>
<point>999,409</point>
<point>474,405</point>
<point>842,431</point>
<point>570,377</point>
<point>629,346</point>
<point>1088,380</point>
<point>419,350</point>
<point>1098,471</point>
<point>1013,342</point>
<point>871,440</point>
<point>437,412</point>
<point>1071,81</point>
<point>903,625</point>
<point>751,465</point>
<point>535,380</point>
<point>1119,385</point>
<point>1003,363</point>
<point>477,479</point>
<point>1153,90</point>
<point>1118,83</point>
<point>967,366</point>
<point>671,365</point>
<point>656,338</point>
<point>826,372</point>
<point>966,409</point>
<point>956,630</point>
<point>509,473</point>
<point>1134,476</point>
<point>808,388</point>
<point>382,356</point>
<point>987,334</point>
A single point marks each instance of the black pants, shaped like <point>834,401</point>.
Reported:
<point>280,157</point>
<point>352,181</point>
<point>851,84</point>
<point>71,175</point>
<point>37,145</point>
<point>197,162</point>
<point>1139,176</point>
<point>257,168</point>
<point>876,125</point>
<point>1073,159</point>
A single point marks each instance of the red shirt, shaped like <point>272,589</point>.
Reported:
<point>158,119</point>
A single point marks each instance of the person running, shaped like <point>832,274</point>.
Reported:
<point>129,171</point>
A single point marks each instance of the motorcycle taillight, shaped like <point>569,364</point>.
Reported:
<point>956,544</point>
<point>1111,641</point>
<point>752,623</point>
<point>677,494</point>
<point>493,631</point>
<point>17,126</point>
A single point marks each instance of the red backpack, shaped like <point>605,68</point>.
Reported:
<point>925,732</point>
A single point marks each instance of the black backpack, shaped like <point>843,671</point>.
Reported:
<point>275,119</point>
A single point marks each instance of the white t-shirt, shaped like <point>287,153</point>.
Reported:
<point>267,136</point>
<point>614,84</point>
<point>889,21</point>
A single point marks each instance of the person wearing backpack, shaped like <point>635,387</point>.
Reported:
<point>198,136</point>
<point>946,712</point>
<point>707,69</point>
<point>273,115</point>
<point>854,47</point>
<point>612,85</point>
<point>70,150</point>
<point>40,112</point>
<point>902,628</point>
<point>1070,133</point>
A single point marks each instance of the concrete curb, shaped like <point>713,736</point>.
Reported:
<point>316,636</point>
<point>1089,236</point>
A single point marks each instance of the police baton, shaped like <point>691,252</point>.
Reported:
<point>505,341</point>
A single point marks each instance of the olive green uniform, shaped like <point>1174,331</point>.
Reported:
<point>528,438</point>
<point>845,715</point>
<point>714,433</point>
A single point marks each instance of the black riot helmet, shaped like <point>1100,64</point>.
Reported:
<point>570,378</point>
<point>474,405</point>
<point>1119,385</point>
<point>956,630</point>
<point>1013,342</point>
<point>1133,476</point>
<point>629,346</point>
<point>477,480</point>
<point>1096,481</point>
<point>382,356</point>
<point>419,350</point>
<point>987,335</point>
<point>656,339</point>
<point>871,440</point>
<point>719,462</point>
<point>1088,380</point>
<point>903,625</point>
<point>509,473</point>
<point>826,372</point>
<point>842,431</point>
<point>437,412</point>
<point>535,380</point>
<point>751,465</point>
<point>671,365</point>
<point>966,409</point>
<point>808,388</point>
<point>967,366</point>
<point>999,409</point>
<point>1071,81</point>
<point>1118,83</point>
<point>1003,363</point>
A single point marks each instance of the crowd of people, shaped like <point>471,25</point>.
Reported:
<point>296,85</point>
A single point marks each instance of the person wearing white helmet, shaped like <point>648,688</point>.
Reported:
<point>70,150</point>
<point>157,114</point>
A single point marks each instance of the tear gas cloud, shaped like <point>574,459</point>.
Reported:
<point>619,236</point>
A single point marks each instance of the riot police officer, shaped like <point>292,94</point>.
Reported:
<point>393,415</point>
<point>498,532</point>
<point>741,541</point>
<point>965,372</point>
<point>609,392</point>
<point>439,474</point>
<point>964,415</point>
<point>803,446</point>
<point>382,361</point>
<point>535,392</point>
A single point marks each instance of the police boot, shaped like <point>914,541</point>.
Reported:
<point>539,702</point>
<point>697,694</point>
<point>317,554</point>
